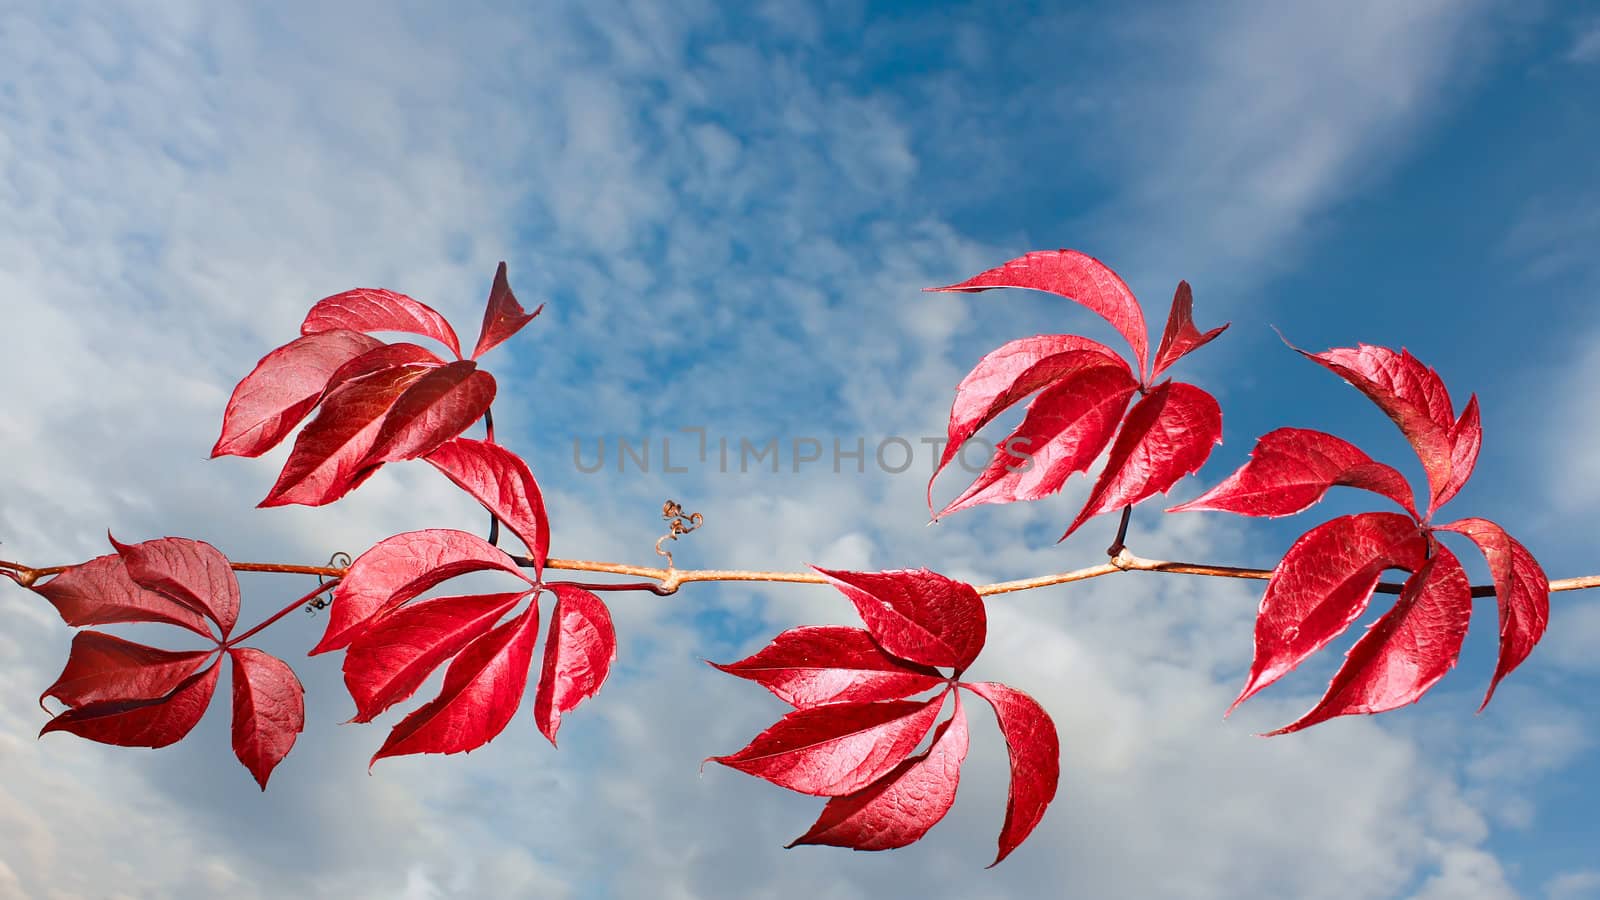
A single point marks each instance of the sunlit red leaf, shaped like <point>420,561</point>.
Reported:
<point>837,748</point>
<point>99,592</point>
<point>917,615</point>
<point>899,808</point>
<point>381,357</point>
<point>1181,337</point>
<point>1323,584</point>
<point>1168,434</point>
<point>326,461</point>
<point>105,667</point>
<point>1466,439</point>
<point>269,711</point>
<point>1521,590</point>
<point>1035,752</point>
<point>1411,394</point>
<point>1008,374</point>
<point>1292,468</point>
<point>399,568</point>
<point>1406,651</point>
<point>155,722</point>
<point>578,653</point>
<point>434,408</point>
<point>376,309</point>
<point>1076,276</point>
<point>503,316</point>
<point>482,689</point>
<point>503,483</point>
<point>282,389</point>
<point>387,662</point>
<point>1065,429</point>
<point>191,572</point>
<point>831,663</point>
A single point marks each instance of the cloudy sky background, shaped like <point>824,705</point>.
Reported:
<point>729,211</point>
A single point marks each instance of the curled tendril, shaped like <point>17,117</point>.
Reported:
<point>339,560</point>
<point>677,524</point>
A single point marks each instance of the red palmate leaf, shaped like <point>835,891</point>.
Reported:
<point>578,654</point>
<point>1168,434</point>
<point>1066,427</point>
<point>376,309</point>
<point>1406,651</point>
<point>1322,585</point>
<point>821,664</point>
<point>916,614</point>
<point>282,388</point>
<point>837,748</point>
<point>1292,468</point>
<point>99,592</point>
<point>899,808</point>
<point>434,408</point>
<point>269,710</point>
<point>1008,374</point>
<point>398,568</point>
<point>482,690</point>
<point>1411,394</point>
<point>1181,337</point>
<point>105,667</point>
<point>1076,276</point>
<point>1035,752</point>
<point>503,483</point>
<point>148,722</point>
<point>1521,591</point>
<point>386,663</point>
<point>191,572</point>
<point>384,356</point>
<point>326,461</point>
<point>503,316</point>
<point>1466,439</point>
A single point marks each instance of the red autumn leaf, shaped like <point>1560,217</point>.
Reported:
<point>1035,752</point>
<point>1323,584</point>
<point>104,667</point>
<point>376,309</point>
<point>1076,276</point>
<point>326,461</point>
<point>502,482</point>
<point>1406,651</point>
<point>386,663</point>
<point>282,389</point>
<point>269,710</point>
<point>917,615</point>
<point>191,572</point>
<point>503,316</point>
<point>1521,591</point>
<point>578,654</point>
<point>434,408</point>
<point>820,664</point>
<point>99,592</point>
<point>380,358</point>
<point>148,722</point>
<point>837,748</point>
<point>1168,434</point>
<point>1292,468</point>
<point>1065,429</point>
<point>1181,337</point>
<point>1466,439</point>
<point>899,808</point>
<point>1008,374</point>
<point>482,690</point>
<point>1411,394</point>
<point>399,568</point>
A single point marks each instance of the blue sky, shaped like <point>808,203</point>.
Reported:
<point>729,210</point>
